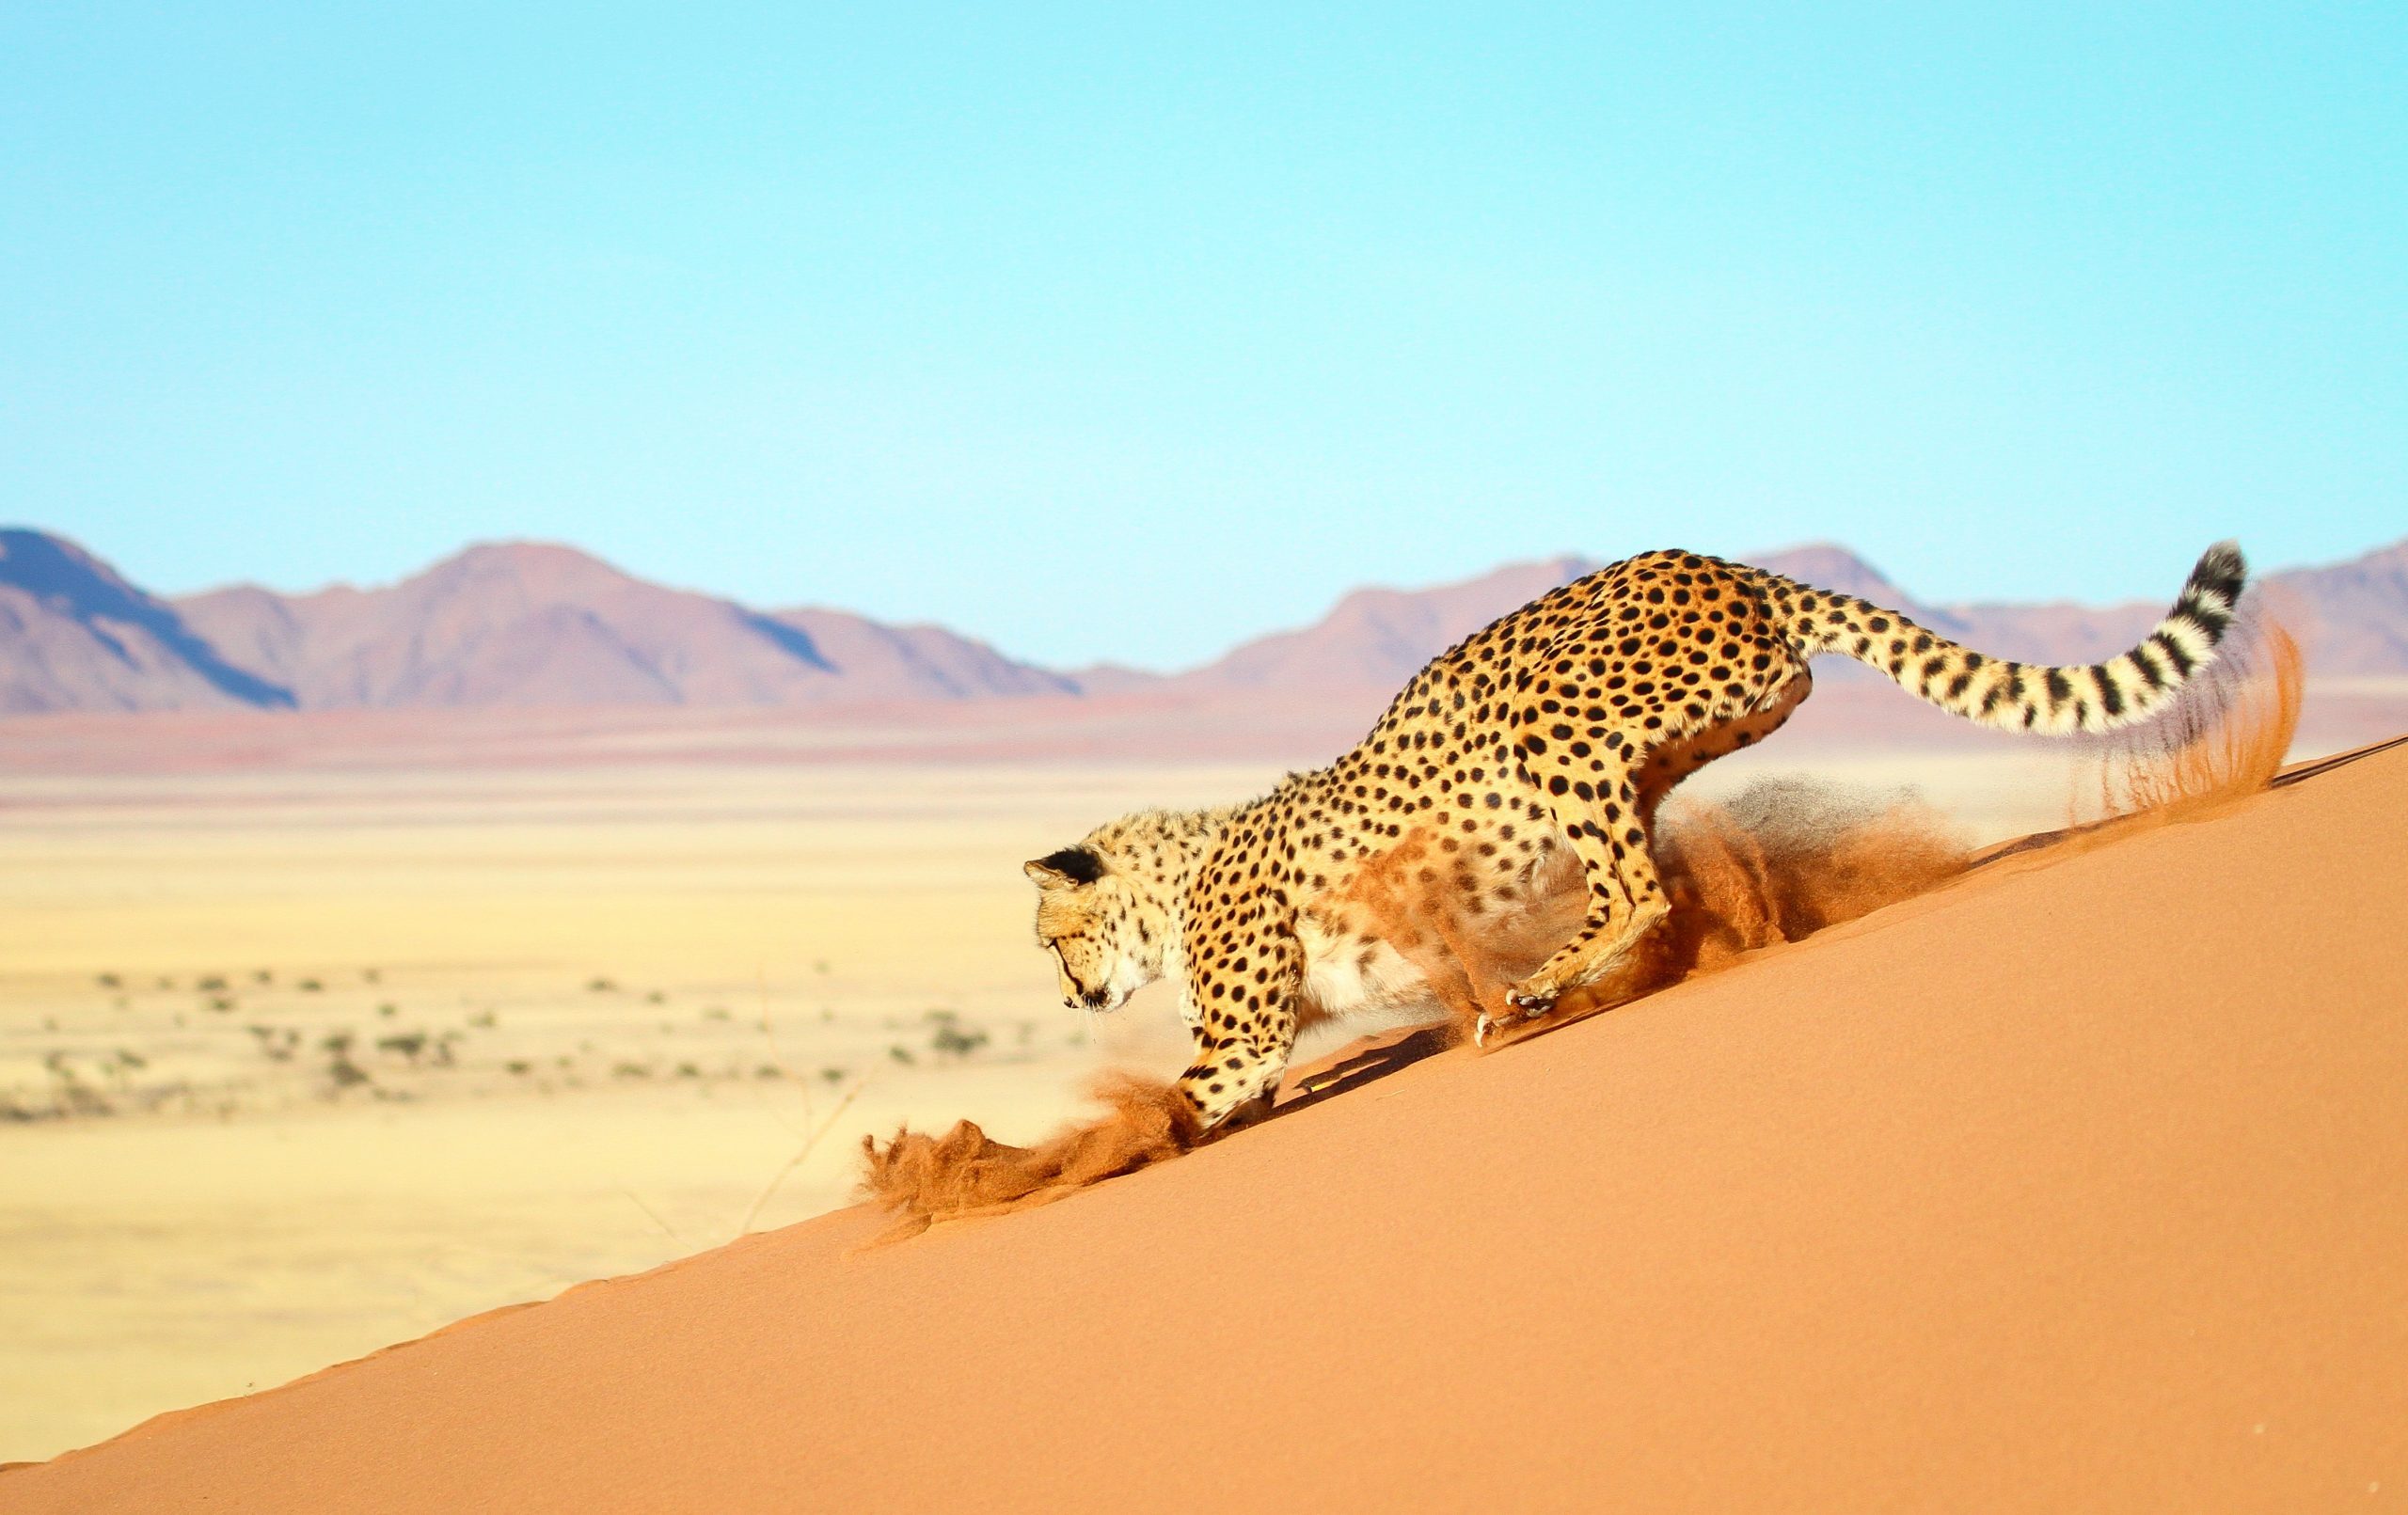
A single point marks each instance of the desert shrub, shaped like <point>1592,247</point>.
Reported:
<point>951,1040</point>
<point>408,1044</point>
<point>340,1069</point>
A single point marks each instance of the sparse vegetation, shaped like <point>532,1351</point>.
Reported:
<point>324,1059</point>
<point>955,1041</point>
<point>72,1096</point>
<point>340,1069</point>
<point>408,1044</point>
<point>277,1043</point>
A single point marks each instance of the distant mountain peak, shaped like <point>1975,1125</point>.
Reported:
<point>76,635</point>
<point>547,567</point>
<point>1830,566</point>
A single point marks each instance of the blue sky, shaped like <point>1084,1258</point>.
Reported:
<point>1127,332</point>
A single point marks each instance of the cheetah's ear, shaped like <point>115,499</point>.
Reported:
<point>1065,869</point>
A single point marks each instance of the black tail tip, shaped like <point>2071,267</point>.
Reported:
<point>2220,572</point>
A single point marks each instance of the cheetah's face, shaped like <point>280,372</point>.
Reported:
<point>1087,917</point>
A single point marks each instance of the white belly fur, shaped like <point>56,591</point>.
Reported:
<point>1341,984</point>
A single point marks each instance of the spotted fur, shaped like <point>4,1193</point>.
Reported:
<point>1516,779</point>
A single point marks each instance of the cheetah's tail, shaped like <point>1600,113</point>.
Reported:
<point>2031,697</point>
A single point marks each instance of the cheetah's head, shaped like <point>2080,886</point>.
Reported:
<point>1095,921</point>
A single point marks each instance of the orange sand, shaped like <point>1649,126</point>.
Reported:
<point>2072,1185</point>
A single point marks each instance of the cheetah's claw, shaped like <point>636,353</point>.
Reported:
<point>1520,1007</point>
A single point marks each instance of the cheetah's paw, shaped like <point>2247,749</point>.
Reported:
<point>1520,1007</point>
<point>1531,1000</point>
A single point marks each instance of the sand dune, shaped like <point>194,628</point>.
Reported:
<point>2074,1185</point>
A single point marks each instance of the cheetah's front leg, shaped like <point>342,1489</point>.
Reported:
<point>1243,988</point>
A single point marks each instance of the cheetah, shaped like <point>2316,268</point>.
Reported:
<point>1517,778</point>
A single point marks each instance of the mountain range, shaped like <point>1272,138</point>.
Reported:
<point>518,625</point>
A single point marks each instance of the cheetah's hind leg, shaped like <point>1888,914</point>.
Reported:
<point>1626,898</point>
<point>1611,829</point>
